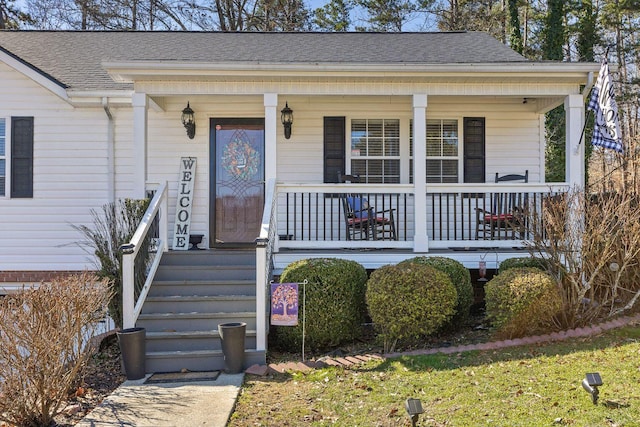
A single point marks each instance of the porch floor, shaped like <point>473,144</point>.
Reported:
<point>376,258</point>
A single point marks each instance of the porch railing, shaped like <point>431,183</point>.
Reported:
<point>265,245</point>
<point>484,214</point>
<point>141,256</point>
<point>312,216</point>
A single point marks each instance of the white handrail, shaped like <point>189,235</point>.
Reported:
<point>264,251</point>
<point>130,307</point>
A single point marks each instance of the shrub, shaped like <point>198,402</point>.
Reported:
<point>409,300</point>
<point>460,278</point>
<point>112,228</point>
<point>522,301</point>
<point>44,342</point>
<point>522,262</point>
<point>334,303</point>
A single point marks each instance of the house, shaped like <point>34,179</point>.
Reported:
<point>425,120</point>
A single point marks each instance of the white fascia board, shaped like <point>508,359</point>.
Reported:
<point>95,98</point>
<point>48,83</point>
<point>127,72</point>
<point>116,99</point>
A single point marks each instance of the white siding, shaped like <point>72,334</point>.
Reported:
<point>70,170</point>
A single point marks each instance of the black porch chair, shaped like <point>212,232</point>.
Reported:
<point>506,216</point>
<point>362,221</point>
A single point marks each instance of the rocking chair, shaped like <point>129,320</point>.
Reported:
<point>362,221</point>
<point>506,214</point>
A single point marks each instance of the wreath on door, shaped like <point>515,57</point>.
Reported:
<point>240,160</point>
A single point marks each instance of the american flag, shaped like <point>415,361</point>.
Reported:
<point>606,130</point>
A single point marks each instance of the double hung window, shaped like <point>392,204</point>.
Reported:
<point>443,149</point>
<point>375,150</point>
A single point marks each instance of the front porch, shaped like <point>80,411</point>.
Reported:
<point>307,220</point>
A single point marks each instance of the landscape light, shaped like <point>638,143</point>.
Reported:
<point>414,409</point>
<point>591,384</point>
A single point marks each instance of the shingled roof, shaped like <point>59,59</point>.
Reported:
<point>74,58</point>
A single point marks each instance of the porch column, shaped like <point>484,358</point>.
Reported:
<point>420,239</point>
<point>574,114</point>
<point>140,103</point>
<point>270,135</point>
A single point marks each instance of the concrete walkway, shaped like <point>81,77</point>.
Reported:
<point>202,403</point>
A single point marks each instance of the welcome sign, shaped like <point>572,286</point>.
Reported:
<point>183,203</point>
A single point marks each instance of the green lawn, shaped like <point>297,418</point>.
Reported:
<point>538,385</point>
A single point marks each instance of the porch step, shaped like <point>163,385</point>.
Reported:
<point>203,360</point>
<point>157,322</point>
<point>190,340</point>
<point>184,273</point>
<point>210,257</point>
<point>198,303</point>
<point>208,287</point>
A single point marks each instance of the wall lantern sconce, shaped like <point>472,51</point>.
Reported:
<point>590,384</point>
<point>189,121</point>
<point>286,116</point>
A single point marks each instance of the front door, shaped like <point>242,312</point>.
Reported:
<point>237,181</point>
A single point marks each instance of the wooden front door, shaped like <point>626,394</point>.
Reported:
<point>237,181</point>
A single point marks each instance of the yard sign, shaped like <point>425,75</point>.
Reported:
<point>183,203</point>
<point>284,304</point>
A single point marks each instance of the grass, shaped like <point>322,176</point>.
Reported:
<point>538,385</point>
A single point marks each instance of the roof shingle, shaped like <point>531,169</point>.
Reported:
<point>74,58</point>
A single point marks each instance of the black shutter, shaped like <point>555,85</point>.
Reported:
<point>474,153</point>
<point>21,157</point>
<point>334,148</point>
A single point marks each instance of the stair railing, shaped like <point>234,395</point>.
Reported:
<point>141,256</point>
<point>265,246</point>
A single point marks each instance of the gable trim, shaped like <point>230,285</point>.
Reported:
<point>37,75</point>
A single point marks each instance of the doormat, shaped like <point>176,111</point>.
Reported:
<point>182,377</point>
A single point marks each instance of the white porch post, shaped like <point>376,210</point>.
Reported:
<point>140,104</point>
<point>270,169</point>
<point>270,135</point>
<point>574,114</point>
<point>420,239</point>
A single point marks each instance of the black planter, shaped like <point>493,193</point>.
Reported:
<point>232,338</point>
<point>133,352</point>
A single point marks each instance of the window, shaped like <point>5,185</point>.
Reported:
<point>3,157</point>
<point>375,150</point>
<point>442,151</point>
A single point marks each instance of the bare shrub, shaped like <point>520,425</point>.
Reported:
<point>592,244</point>
<point>45,335</point>
<point>113,227</point>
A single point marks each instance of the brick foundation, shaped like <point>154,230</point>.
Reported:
<point>33,276</point>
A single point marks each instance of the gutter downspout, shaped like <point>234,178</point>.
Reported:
<point>111,176</point>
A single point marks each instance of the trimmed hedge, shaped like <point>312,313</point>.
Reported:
<point>522,301</point>
<point>461,279</point>
<point>409,301</point>
<point>334,299</point>
<point>522,262</point>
